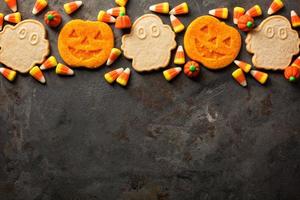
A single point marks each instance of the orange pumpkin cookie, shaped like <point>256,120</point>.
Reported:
<point>85,43</point>
<point>211,42</point>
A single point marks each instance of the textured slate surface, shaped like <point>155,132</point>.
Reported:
<point>80,138</point>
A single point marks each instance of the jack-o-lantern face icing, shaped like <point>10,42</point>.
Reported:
<point>211,42</point>
<point>273,43</point>
<point>85,43</point>
<point>24,45</point>
<point>149,44</point>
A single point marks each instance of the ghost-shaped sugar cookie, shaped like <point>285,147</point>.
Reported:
<point>273,43</point>
<point>149,43</point>
<point>24,45</point>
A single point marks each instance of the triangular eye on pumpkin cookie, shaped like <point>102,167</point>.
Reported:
<point>79,48</point>
<point>211,42</point>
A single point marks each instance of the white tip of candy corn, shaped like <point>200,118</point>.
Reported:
<point>12,4</point>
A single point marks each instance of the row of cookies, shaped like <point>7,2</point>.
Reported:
<point>150,42</point>
<point>29,38</point>
<point>205,46</point>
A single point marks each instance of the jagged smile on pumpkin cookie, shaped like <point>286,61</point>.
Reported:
<point>85,43</point>
<point>211,42</point>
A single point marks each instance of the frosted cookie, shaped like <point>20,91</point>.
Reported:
<point>273,43</point>
<point>24,45</point>
<point>85,43</point>
<point>211,42</point>
<point>149,43</point>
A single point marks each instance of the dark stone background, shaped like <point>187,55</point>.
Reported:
<point>81,139</point>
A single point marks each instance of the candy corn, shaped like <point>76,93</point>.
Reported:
<point>116,11</point>
<point>296,63</point>
<point>237,13</point>
<point>121,2</point>
<point>37,74</point>
<point>49,63</point>
<point>176,24</point>
<point>63,70</point>
<point>1,21</point>
<point>12,4</point>
<point>243,65</point>
<point>111,76</point>
<point>72,6</point>
<point>259,76</point>
<point>124,77</point>
<point>295,19</point>
<point>239,76</point>
<point>255,11</point>
<point>170,74</point>
<point>8,74</point>
<point>275,6</point>
<point>39,6</point>
<point>180,9</point>
<point>114,54</point>
<point>104,17</point>
<point>13,18</point>
<point>221,13</point>
<point>179,56</point>
<point>163,8</point>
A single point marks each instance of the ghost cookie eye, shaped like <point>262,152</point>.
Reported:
<point>34,38</point>
<point>141,33</point>
<point>282,33</point>
<point>22,33</point>
<point>269,32</point>
<point>155,31</point>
